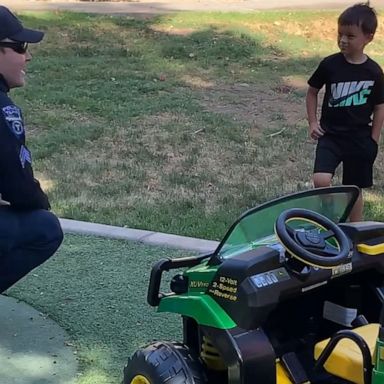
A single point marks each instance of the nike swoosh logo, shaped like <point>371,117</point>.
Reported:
<point>334,102</point>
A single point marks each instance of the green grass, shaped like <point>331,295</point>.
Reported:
<point>175,123</point>
<point>96,289</point>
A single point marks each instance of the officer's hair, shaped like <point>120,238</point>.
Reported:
<point>362,15</point>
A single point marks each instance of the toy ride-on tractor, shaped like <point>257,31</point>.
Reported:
<point>293,294</point>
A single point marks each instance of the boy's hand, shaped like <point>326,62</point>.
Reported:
<point>315,131</point>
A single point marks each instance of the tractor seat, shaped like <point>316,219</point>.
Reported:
<point>346,360</point>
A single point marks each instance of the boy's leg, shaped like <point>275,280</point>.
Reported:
<point>27,239</point>
<point>322,179</point>
<point>327,159</point>
<point>358,170</point>
<point>357,210</point>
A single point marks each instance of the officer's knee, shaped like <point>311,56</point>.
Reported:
<point>51,231</point>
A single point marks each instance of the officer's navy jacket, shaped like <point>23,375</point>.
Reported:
<point>17,183</point>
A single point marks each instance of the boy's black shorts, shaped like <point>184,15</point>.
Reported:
<point>356,154</point>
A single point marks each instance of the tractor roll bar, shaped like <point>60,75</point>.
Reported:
<point>154,295</point>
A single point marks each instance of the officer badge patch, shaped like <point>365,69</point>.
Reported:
<point>25,156</point>
<point>17,127</point>
<point>14,119</point>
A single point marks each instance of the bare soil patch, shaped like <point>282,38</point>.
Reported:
<point>256,104</point>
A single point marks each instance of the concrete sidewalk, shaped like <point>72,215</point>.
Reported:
<point>150,7</point>
<point>33,348</point>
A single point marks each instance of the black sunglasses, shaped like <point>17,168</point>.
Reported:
<point>19,47</point>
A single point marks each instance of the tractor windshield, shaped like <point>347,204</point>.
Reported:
<point>256,227</point>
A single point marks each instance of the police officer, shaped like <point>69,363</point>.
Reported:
<point>29,232</point>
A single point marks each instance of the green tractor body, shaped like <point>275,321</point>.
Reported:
<point>293,294</point>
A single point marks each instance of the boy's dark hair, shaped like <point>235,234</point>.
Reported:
<point>361,15</point>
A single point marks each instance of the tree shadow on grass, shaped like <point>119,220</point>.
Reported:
<point>215,49</point>
<point>211,49</point>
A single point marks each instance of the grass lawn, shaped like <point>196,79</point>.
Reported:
<point>175,123</point>
<point>96,290</point>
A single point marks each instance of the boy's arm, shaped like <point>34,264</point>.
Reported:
<point>377,121</point>
<point>315,131</point>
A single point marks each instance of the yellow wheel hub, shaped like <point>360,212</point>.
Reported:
<point>139,379</point>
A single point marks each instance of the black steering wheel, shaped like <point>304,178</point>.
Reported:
<point>311,246</point>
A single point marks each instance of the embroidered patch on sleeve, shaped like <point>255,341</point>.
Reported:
<point>14,119</point>
<point>25,156</point>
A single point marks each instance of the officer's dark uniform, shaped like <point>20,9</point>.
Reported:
<point>17,184</point>
<point>29,233</point>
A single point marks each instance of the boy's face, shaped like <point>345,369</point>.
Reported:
<point>12,66</point>
<point>352,40</point>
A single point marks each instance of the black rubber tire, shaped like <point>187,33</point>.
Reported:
<point>165,363</point>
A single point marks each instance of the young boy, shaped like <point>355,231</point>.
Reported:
<point>353,107</point>
<point>29,232</point>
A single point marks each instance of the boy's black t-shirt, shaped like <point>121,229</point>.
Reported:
<point>351,93</point>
